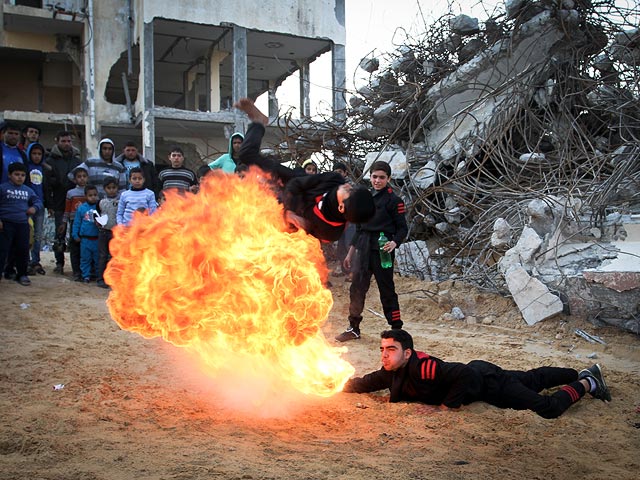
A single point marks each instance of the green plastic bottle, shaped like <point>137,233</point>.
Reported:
<point>385,257</point>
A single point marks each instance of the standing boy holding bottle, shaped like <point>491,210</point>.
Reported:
<point>377,238</point>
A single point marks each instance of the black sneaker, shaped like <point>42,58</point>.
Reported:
<point>602,391</point>
<point>59,270</point>
<point>77,277</point>
<point>348,334</point>
<point>102,284</point>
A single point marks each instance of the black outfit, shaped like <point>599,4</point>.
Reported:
<point>433,381</point>
<point>57,179</point>
<point>312,197</point>
<point>389,218</point>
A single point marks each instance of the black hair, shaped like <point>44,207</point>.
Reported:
<point>176,148</point>
<point>136,170</point>
<point>63,133</point>
<point>90,188</point>
<point>17,167</point>
<point>31,125</point>
<point>401,336</point>
<point>380,165</point>
<point>79,169</point>
<point>339,166</point>
<point>359,206</point>
<point>109,181</point>
<point>11,126</point>
<point>130,144</point>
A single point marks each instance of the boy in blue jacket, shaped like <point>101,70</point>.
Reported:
<point>17,202</point>
<point>85,232</point>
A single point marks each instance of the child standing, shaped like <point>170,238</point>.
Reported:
<point>85,232</point>
<point>136,198</point>
<point>75,197</point>
<point>38,171</point>
<point>178,176</point>
<point>17,202</point>
<point>107,206</point>
<point>388,220</point>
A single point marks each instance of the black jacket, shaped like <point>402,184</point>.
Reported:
<point>57,180</point>
<point>426,379</point>
<point>389,218</point>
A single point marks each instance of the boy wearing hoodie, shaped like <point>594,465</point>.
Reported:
<point>230,160</point>
<point>85,232</point>
<point>103,167</point>
<point>38,171</point>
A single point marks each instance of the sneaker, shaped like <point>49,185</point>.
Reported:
<point>10,276</point>
<point>77,277</point>
<point>31,270</point>
<point>348,334</point>
<point>38,269</point>
<point>86,280</point>
<point>59,270</point>
<point>24,280</point>
<point>102,284</point>
<point>602,391</point>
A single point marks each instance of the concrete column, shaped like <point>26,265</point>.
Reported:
<point>274,109</point>
<point>239,68</point>
<point>215,59</point>
<point>305,86</point>
<point>338,62</point>
<point>148,102</point>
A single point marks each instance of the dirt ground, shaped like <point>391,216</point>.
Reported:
<point>128,410</point>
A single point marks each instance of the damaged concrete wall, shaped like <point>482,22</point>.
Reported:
<point>306,18</point>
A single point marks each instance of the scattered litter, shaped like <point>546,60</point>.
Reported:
<point>588,337</point>
<point>376,313</point>
<point>592,355</point>
<point>58,386</point>
<point>24,306</point>
<point>361,405</point>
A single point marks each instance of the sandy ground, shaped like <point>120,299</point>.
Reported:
<point>128,410</point>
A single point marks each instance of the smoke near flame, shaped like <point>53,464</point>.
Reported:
<point>218,274</point>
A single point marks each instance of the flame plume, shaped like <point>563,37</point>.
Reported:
<point>219,274</point>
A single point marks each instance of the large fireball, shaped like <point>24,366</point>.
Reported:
<point>219,274</point>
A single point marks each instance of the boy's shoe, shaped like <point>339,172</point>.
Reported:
<point>31,270</point>
<point>348,334</point>
<point>10,276</point>
<point>77,277</point>
<point>602,391</point>
<point>102,284</point>
<point>38,269</point>
<point>59,270</point>
<point>86,280</point>
<point>24,280</point>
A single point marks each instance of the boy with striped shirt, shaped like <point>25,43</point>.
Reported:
<point>136,198</point>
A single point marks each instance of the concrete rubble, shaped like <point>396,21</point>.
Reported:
<point>515,143</point>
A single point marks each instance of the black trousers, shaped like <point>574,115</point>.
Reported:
<point>361,281</point>
<point>104,237</point>
<point>74,252</point>
<point>520,390</point>
<point>14,247</point>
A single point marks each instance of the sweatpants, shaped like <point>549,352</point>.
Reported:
<point>88,256</point>
<point>520,390</point>
<point>14,245</point>
<point>360,283</point>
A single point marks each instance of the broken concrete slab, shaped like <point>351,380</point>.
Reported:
<point>396,159</point>
<point>412,259</point>
<point>523,252</point>
<point>535,301</point>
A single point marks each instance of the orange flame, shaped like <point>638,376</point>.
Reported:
<point>218,273</point>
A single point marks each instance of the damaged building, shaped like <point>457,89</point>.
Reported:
<point>159,72</point>
<point>516,144</point>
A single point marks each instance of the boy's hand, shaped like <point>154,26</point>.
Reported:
<point>390,246</point>
<point>31,211</point>
<point>62,229</point>
<point>1,226</point>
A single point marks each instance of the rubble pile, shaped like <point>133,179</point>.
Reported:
<point>511,139</point>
